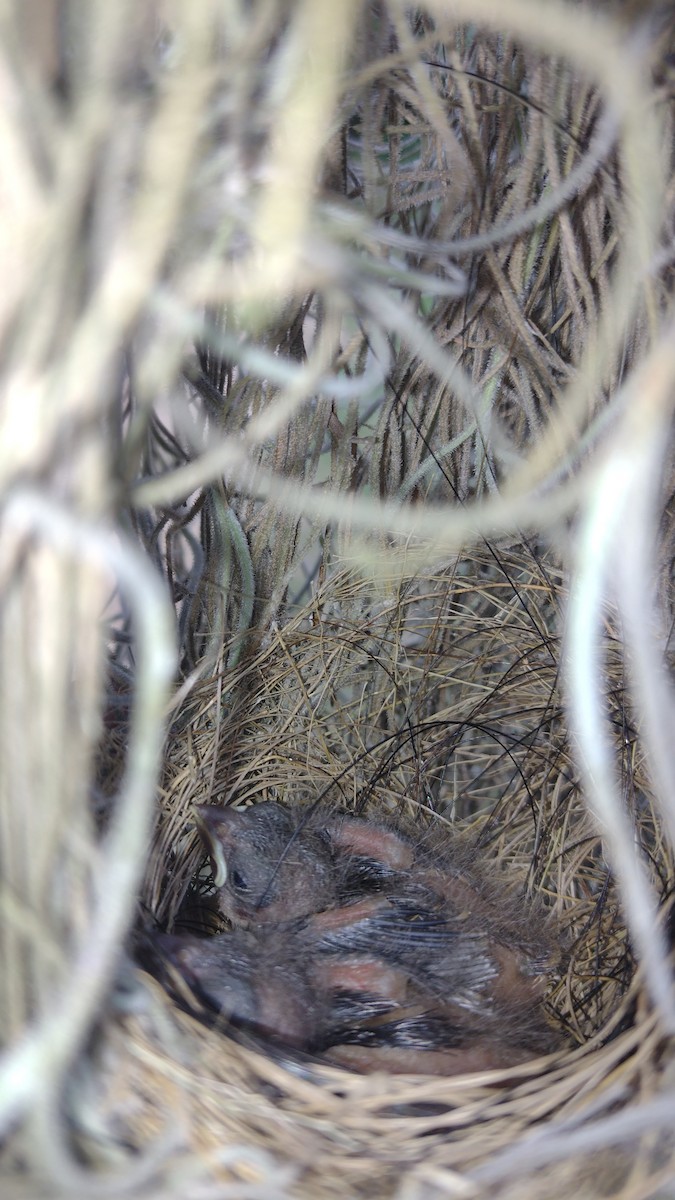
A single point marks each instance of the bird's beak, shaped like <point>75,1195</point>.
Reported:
<point>210,825</point>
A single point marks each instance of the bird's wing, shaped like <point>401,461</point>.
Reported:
<point>438,953</point>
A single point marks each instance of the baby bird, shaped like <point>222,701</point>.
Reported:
<point>377,951</point>
<point>262,987</point>
<point>436,912</point>
<point>449,868</point>
<point>355,1010</point>
<point>447,961</point>
<point>266,866</point>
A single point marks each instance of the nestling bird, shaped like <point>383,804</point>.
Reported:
<point>354,941</point>
<point>354,1009</point>
<point>275,865</point>
<point>263,987</point>
<point>266,867</point>
<point>464,886</point>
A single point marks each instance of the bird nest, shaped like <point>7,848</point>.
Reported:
<point>362,446</point>
<point>437,701</point>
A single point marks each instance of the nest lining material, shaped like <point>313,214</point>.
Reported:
<point>441,698</point>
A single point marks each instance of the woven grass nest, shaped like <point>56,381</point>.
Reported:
<point>345,397</point>
<point>436,701</point>
<point>441,702</point>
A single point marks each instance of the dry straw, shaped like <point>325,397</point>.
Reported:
<point>338,363</point>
